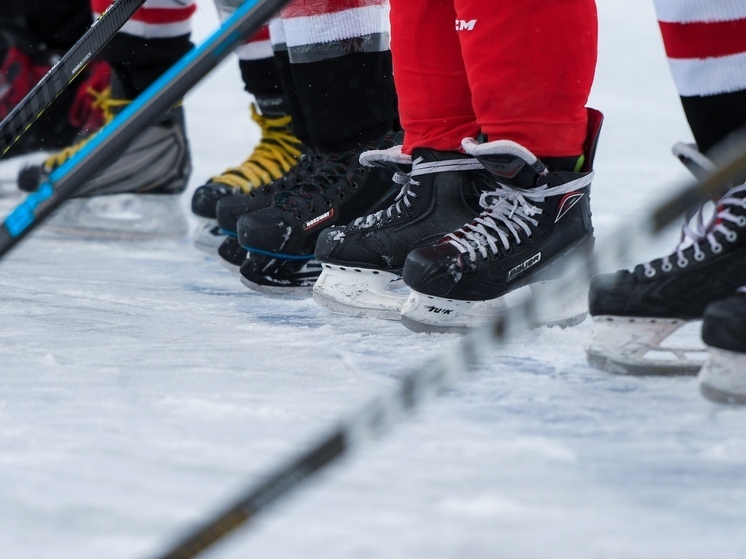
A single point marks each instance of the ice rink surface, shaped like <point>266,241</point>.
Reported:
<point>142,386</point>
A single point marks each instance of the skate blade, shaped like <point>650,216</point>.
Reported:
<point>429,314</point>
<point>208,236</point>
<point>360,292</point>
<point>230,266</point>
<point>722,378</point>
<point>632,346</point>
<point>425,313</point>
<point>299,285</point>
<point>120,216</point>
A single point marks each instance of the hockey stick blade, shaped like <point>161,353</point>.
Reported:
<point>113,139</point>
<point>416,386</point>
<point>64,71</point>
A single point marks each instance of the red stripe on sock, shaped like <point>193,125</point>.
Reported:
<point>261,35</point>
<point>704,39</point>
<point>152,15</point>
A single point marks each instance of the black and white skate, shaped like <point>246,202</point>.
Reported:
<point>362,262</point>
<point>537,216</point>
<point>723,376</point>
<point>636,311</point>
<point>339,190</point>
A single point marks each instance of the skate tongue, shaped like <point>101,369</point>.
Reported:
<point>509,162</point>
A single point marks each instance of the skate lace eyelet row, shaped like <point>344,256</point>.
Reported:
<point>508,216</point>
<point>700,232</point>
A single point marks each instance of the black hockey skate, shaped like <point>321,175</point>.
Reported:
<point>723,376</point>
<point>230,209</point>
<point>538,215</point>
<point>635,311</point>
<point>276,154</point>
<point>339,190</point>
<point>362,262</point>
<point>137,195</point>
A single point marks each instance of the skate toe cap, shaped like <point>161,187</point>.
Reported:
<point>433,270</point>
<point>205,199</point>
<point>30,177</point>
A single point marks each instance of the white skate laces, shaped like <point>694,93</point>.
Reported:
<point>508,211</point>
<point>406,194</point>
<point>694,236</point>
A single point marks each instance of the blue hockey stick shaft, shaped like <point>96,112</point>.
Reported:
<point>113,139</point>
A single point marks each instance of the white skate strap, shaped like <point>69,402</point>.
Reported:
<point>420,168</point>
<point>375,157</point>
<point>698,164</point>
<point>502,147</point>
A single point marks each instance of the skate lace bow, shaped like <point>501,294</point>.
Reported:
<point>406,194</point>
<point>694,235</point>
<point>508,212</point>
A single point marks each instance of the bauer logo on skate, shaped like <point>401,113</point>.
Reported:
<point>525,266</point>
<point>316,220</point>
<point>463,25</point>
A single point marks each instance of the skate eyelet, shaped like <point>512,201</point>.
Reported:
<point>682,262</point>
<point>667,267</point>
<point>354,185</point>
<point>717,249</point>
<point>328,203</point>
<point>699,256</point>
<point>741,221</point>
<point>731,236</point>
<point>649,273</point>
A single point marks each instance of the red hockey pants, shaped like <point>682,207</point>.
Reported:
<point>518,70</point>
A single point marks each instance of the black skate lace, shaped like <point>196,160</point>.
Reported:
<point>507,213</point>
<point>301,172</point>
<point>329,177</point>
<point>695,236</point>
<point>406,194</point>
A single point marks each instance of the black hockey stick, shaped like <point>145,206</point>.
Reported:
<point>64,71</point>
<point>146,108</point>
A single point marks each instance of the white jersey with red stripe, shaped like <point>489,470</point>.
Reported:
<point>705,42</point>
